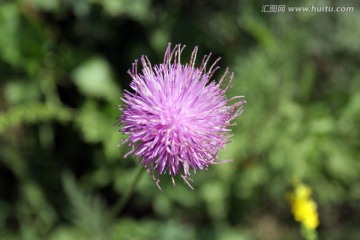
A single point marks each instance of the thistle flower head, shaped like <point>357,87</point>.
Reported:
<point>177,117</point>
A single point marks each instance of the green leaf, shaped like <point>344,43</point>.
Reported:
<point>32,113</point>
<point>89,212</point>
<point>94,78</point>
<point>138,9</point>
<point>9,26</point>
<point>43,4</point>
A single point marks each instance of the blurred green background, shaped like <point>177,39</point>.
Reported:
<point>63,67</point>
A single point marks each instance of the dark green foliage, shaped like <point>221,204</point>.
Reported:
<point>63,68</point>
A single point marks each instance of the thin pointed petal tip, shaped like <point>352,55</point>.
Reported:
<point>177,117</point>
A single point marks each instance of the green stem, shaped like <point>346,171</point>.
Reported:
<point>119,206</point>
<point>309,234</point>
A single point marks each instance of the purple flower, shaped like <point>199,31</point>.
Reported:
<point>177,117</point>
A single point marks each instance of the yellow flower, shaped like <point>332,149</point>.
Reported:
<point>303,206</point>
<point>302,191</point>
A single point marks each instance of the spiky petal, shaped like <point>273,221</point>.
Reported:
<point>177,117</point>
